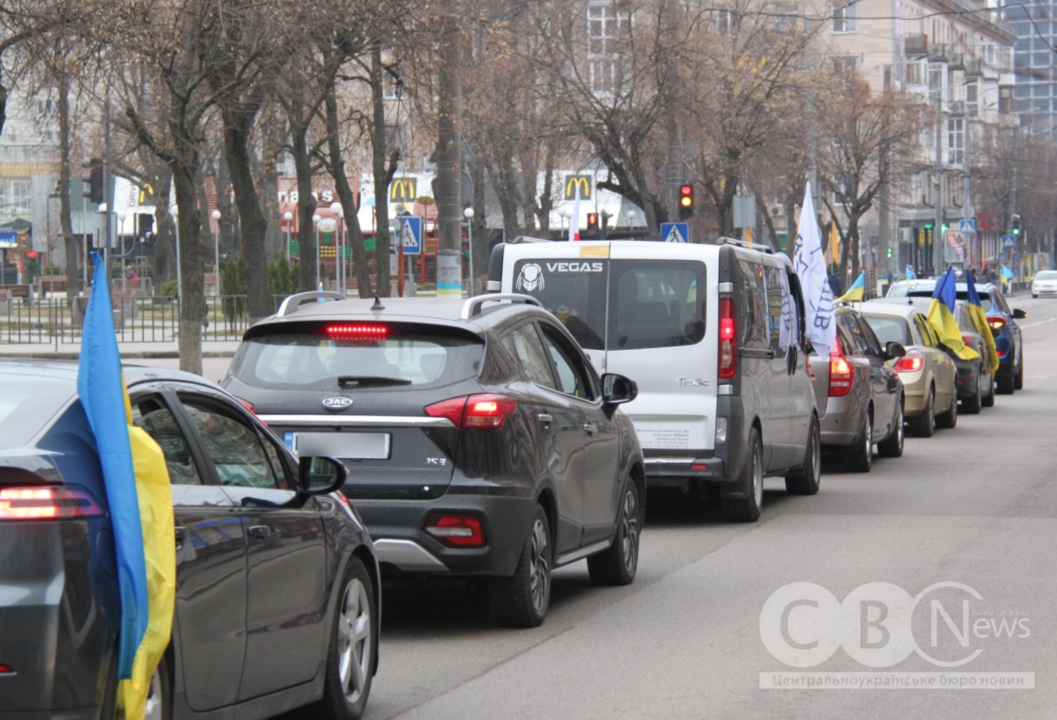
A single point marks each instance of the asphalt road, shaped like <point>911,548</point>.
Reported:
<point>975,505</point>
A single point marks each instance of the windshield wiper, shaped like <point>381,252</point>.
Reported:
<point>362,380</point>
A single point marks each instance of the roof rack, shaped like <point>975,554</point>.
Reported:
<point>745,244</point>
<point>528,239</point>
<point>472,307</point>
<point>291,304</point>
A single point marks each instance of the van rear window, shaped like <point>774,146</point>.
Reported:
<point>652,303</point>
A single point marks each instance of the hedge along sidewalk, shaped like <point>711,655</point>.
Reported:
<point>129,350</point>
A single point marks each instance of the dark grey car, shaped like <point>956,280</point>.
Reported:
<point>480,440</point>
<point>273,569</point>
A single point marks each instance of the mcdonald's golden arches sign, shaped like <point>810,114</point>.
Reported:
<point>403,190</point>
<point>584,182</point>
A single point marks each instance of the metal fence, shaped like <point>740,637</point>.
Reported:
<point>57,320</point>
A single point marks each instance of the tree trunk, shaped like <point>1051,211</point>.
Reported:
<point>193,305</point>
<point>164,259</point>
<point>252,223</point>
<point>479,231</point>
<point>228,225</point>
<point>72,247</point>
<point>383,174</point>
<point>348,203</point>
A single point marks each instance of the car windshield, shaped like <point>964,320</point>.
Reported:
<point>27,403</point>
<point>1047,275</point>
<point>351,357</point>
<point>985,298</point>
<point>889,329</point>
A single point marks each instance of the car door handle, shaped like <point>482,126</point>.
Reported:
<point>258,531</point>
<point>591,428</point>
<point>545,418</point>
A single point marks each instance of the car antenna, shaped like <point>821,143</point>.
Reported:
<point>377,304</point>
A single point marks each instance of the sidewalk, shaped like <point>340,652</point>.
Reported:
<point>129,350</point>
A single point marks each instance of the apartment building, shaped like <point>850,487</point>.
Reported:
<point>1034,23</point>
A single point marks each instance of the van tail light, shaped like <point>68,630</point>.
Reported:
<point>996,323</point>
<point>460,530</point>
<point>45,503</point>
<point>967,341</point>
<point>486,412</point>
<point>728,344</point>
<point>841,374</point>
<point>911,362</point>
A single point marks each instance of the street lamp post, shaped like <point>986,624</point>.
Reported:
<point>315,224</point>
<point>120,228</point>
<point>468,214</point>
<point>216,252</point>
<point>288,217</point>
<point>340,260</point>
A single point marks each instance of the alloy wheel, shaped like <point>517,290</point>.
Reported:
<point>354,641</point>
<point>629,531</point>
<point>153,710</point>
<point>757,477</point>
<point>816,458</point>
<point>539,570</point>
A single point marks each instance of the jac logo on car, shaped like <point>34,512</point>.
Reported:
<point>337,402</point>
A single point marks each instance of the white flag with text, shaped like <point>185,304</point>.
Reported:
<point>810,264</point>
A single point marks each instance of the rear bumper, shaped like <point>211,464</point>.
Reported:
<point>968,377</point>
<point>843,421</point>
<point>402,545</point>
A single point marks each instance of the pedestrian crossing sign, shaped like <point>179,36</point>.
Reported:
<point>411,235</point>
<point>675,232</point>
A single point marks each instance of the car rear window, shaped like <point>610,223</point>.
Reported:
<point>889,329</point>
<point>27,403</point>
<point>354,355</point>
<point>1046,275</point>
<point>985,298</point>
<point>652,303</point>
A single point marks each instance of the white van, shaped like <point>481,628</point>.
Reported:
<point>714,337</point>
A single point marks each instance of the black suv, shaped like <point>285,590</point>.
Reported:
<point>479,440</point>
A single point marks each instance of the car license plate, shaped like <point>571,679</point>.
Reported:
<point>347,445</point>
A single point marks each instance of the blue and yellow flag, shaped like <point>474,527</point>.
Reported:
<point>857,290</point>
<point>139,500</point>
<point>941,316</point>
<point>976,312</point>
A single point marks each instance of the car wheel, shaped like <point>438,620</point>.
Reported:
<point>806,481</point>
<point>924,425</point>
<point>859,457</point>
<point>1005,384</point>
<point>1018,379</point>
<point>893,446</point>
<point>159,697</point>
<point>748,508</point>
<point>617,565</point>
<point>972,404</point>
<point>522,599</point>
<point>353,648</point>
<point>988,400</point>
<point>949,419</point>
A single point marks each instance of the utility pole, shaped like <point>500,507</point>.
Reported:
<point>449,211</point>
<point>937,230</point>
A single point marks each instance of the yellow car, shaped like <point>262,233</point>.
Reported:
<point>928,373</point>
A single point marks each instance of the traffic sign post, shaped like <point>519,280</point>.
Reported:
<point>410,244</point>
<point>1009,242</point>
<point>675,232</point>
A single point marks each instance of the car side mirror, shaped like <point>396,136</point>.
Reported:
<point>894,350</point>
<point>321,475</point>
<point>617,389</point>
<point>1019,314</point>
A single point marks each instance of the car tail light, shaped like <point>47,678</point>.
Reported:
<point>6,670</point>
<point>1001,353</point>
<point>911,362</point>
<point>996,323</point>
<point>841,374</point>
<point>487,412</point>
<point>45,503</point>
<point>461,530</point>
<point>358,331</point>
<point>249,407</point>
<point>728,344</point>
<point>967,341</point>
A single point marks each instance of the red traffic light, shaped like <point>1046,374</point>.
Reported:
<point>686,201</point>
<point>686,190</point>
<point>592,220</point>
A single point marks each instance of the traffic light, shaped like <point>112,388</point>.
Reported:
<point>592,224</point>
<point>889,253</point>
<point>93,181</point>
<point>1016,224</point>
<point>686,201</point>
<point>943,229</point>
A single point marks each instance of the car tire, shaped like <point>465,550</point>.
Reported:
<point>972,404</point>
<point>521,600</point>
<point>352,651</point>
<point>617,565</point>
<point>893,445</point>
<point>949,419</point>
<point>1005,384</point>
<point>1034,296</point>
<point>988,400</point>
<point>859,457</point>
<point>924,425</point>
<point>806,481</point>
<point>747,509</point>
<point>1018,379</point>
<point>159,704</point>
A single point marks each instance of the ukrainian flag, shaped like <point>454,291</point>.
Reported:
<point>856,292</point>
<point>139,500</point>
<point>941,316</point>
<point>976,312</point>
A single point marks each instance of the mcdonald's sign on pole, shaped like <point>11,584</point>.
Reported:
<point>583,182</point>
<point>403,190</point>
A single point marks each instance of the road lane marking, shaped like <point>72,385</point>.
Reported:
<point>1040,322</point>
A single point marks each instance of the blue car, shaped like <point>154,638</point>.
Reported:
<point>1000,317</point>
